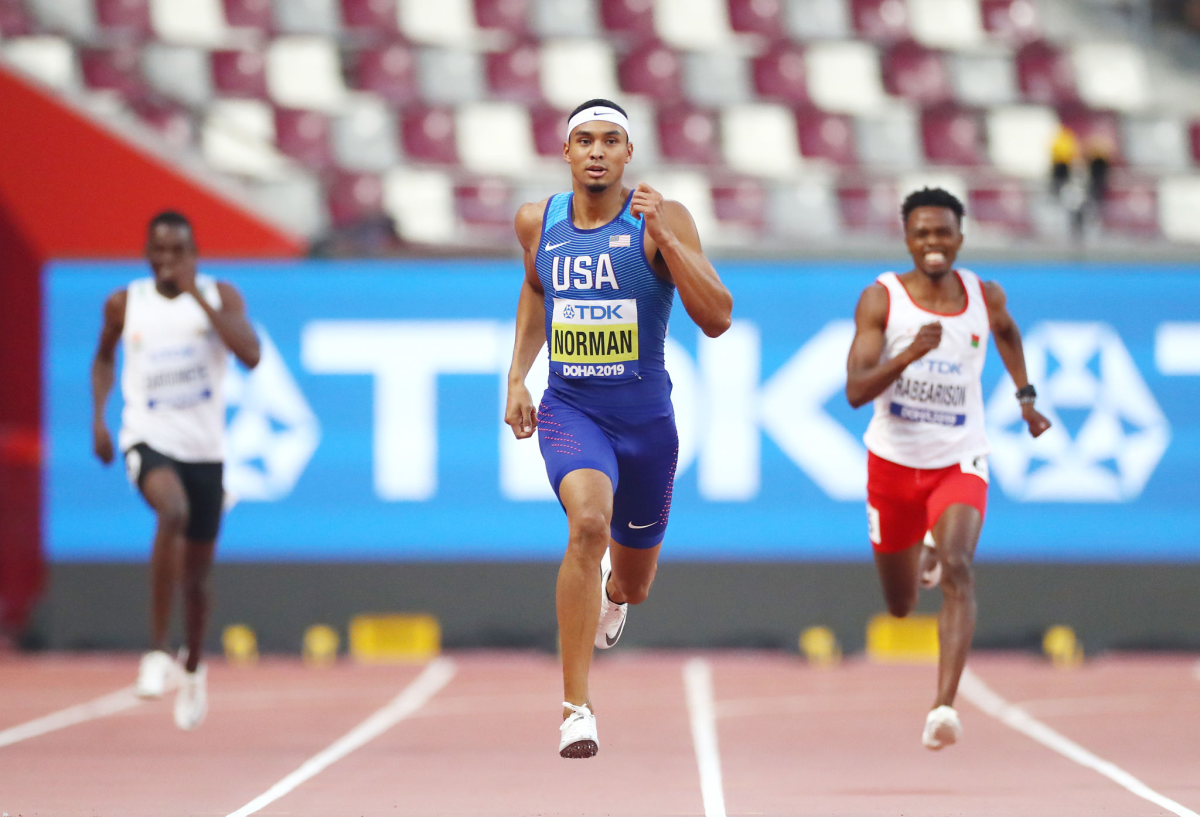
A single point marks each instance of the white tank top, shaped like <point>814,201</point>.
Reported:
<point>932,416</point>
<point>172,375</point>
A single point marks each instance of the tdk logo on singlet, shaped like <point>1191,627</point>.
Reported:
<point>579,273</point>
<point>593,312</point>
<point>937,366</point>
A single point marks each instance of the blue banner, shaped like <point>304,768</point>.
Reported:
<point>372,429</point>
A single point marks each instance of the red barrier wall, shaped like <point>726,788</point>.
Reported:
<point>71,188</point>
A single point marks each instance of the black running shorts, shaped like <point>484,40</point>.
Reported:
<point>201,483</point>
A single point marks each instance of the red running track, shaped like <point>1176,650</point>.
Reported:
<point>791,740</point>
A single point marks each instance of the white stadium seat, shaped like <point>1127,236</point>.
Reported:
<point>909,182</point>
<point>308,16</point>
<point>295,201</point>
<point>946,23</point>
<point>422,204</point>
<point>178,72</point>
<point>565,18</point>
<point>817,19</point>
<point>1179,208</point>
<point>889,139</point>
<point>495,138</point>
<point>238,137</point>
<point>983,79</point>
<point>844,77</point>
<point>305,72</point>
<point>760,140</point>
<point>804,209</point>
<point>50,60</point>
<point>449,76</point>
<point>716,78</point>
<point>692,190</point>
<point>573,71</point>
<point>437,22</point>
<point>693,24</point>
<point>76,18</point>
<point>1019,139</point>
<point>190,22</point>
<point>1111,75</point>
<point>1159,142</point>
<point>364,135</point>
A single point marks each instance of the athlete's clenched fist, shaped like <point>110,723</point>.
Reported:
<point>520,414</point>
<point>928,338</point>
<point>649,203</point>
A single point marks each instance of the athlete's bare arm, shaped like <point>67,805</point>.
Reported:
<point>104,368</point>
<point>1008,344</point>
<point>519,412</point>
<point>677,256</point>
<point>866,376</point>
<point>230,322</point>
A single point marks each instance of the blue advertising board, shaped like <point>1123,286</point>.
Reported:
<point>372,429</point>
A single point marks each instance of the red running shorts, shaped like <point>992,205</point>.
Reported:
<point>903,503</point>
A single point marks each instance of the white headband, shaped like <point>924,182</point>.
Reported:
<point>603,114</point>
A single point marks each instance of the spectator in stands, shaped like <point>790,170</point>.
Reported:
<point>1064,153</point>
<point>1097,155</point>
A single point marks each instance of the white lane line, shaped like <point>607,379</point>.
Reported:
<point>101,707</point>
<point>698,683</point>
<point>431,680</point>
<point>977,692</point>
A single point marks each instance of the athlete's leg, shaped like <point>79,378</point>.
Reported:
<point>955,536</point>
<point>163,490</point>
<point>633,572</point>
<point>586,495</point>
<point>898,573</point>
<point>197,563</point>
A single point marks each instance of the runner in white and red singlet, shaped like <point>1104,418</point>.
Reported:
<point>918,353</point>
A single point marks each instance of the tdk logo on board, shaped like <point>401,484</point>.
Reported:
<point>1109,432</point>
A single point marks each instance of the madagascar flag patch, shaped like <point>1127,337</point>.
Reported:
<point>975,341</point>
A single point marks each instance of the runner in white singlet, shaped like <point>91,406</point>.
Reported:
<point>176,330</point>
<point>918,353</point>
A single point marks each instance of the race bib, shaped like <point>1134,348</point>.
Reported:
<point>177,379</point>
<point>594,338</point>
<point>931,391</point>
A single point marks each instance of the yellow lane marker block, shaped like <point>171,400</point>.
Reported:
<point>1062,647</point>
<point>241,645</point>
<point>320,646</point>
<point>387,639</point>
<point>820,646</point>
<point>911,640</point>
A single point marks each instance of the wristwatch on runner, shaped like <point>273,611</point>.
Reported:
<point>1026,395</point>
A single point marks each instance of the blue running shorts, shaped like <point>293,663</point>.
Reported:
<point>637,447</point>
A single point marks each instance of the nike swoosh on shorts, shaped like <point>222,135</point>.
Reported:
<point>639,527</point>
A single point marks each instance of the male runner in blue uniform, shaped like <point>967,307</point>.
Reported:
<point>602,264</point>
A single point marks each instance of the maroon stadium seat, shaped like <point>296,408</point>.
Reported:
<point>505,15</point>
<point>688,134</point>
<point>757,17</point>
<point>1089,124</point>
<point>1194,130</point>
<point>373,16</point>
<point>427,134</point>
<point>549,126</point>
<point>1011,19</point>
<point>390,71</point>
<point>870,206</point>
<point>742,203</point>
<point>124,18</point>
<point>1045,74</point>
<point>910,70</point>
<point>634,17</point>
<point>1131,208</point>
<point>248,13</point>
<point>515,74</point>
<point>14,20</point>
<point>953,135</point>
<point>239,74</point>
<point>114,69</point>
<point>485,202</point>
<point>825,135</point>
<point>779,74</point>
<point>172,123</point>
<point>1001,206</point>
<point>880,20</point>
<point>354,197</point>
<point>304,135</point>
<point>652,69</point>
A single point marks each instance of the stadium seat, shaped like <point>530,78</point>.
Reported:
<point>760,139</point>
<point>741,204</point>
<point>817,19</point>
<point>1159,142</point>
<point>565,18</point>
<point>372,17</point>
<point>172,123</point>
<point>444,22</point>
<point>450,76</point>
<point>1111,75</point>
<point>181,73</point>
<point>1019,139</point>
<point>631,17</point>
<point>354,197</point>
<point>949,180</point>
<point>1179,208</point>
<point>239,73</point>
<point>652,69</point>
<point>14,20</point>
<point>844,77</point>
<point>890,139</point>
<point>871,207</point>
<point>495,138</point>
<point>694,25</point>
<point>1094,126</point>
<point>304,136</point>
<point>763,17</point>
<point>238,137</point>
<point>983,79</point>
<point>114,69</point>
<point>74,18</point>
<point>389,71</point>
<point>427,134</point>
<point>503,15</point>
<point>1002,207</point>
<point>716,78</point>
<point>308,17</point>
<point>1194,133</point>
<point>1131,209</point>
<point>780,74</point>
<point>190,22</point>
<point>422,204</point>
<point>828,136</point>
<point>549,130</point>
<point>946,23</point>
<point>913,71</point>
<point>804,209</point>
<point>576,70</point>
<point>952,135</point>
<point>691,189</point>
<point>364,134</point>
<point>1044,74</point>
<point>305,72</point>
<point>295,200</point>
<point>1013,20</point>
<point>514,74</point>
<point>880,20</point>
<point>485,203</point>
<point>687,135</point>
<point>251,14</point>
<point>123,19</point>
<point>48,59</point>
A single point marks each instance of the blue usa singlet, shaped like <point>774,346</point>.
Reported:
<point>606,310</point>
